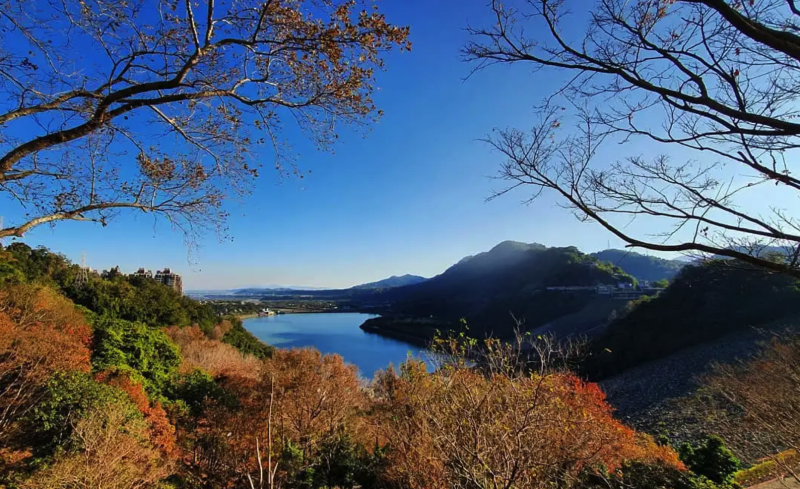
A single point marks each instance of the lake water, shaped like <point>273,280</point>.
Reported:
<point>334,333</point>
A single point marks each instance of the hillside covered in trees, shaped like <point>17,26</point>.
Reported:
<point>101,388</point>
<point>704,302</point>
<point>643,267</point>
<point>511,278</point>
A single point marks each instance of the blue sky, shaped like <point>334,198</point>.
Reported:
<point>408,198</point>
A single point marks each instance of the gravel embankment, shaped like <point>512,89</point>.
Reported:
<point>647,397</point>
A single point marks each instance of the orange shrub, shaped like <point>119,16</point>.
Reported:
<point>41,332</point>
<point>302,398</point>
<point>215,357</point>
<point>114,453</point>
<point>459,428</point>
<point>220,329</point>
<point>161,431</point>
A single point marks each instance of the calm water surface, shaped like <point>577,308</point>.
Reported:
<point>334,333</point>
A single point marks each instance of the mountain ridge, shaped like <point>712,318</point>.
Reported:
<point>391,282</point>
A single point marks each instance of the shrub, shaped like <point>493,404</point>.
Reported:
<point>458,425</point>
<point>244,341</point>
<point>767,469</point>
<point>147,353</point>
<point>68,397</point>
<point>109,448</point>
<point>712,460</point>
<point>198,388</point>
<point>41,333</point>
<point>215,357</point>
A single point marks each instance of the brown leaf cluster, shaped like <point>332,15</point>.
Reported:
<point>211,355</point>
<point>114,454</point>
<point>41,333</point>
<point>461,428</point>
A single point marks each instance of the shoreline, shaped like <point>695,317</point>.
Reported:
<point>396,335</point>
<point>295,311</point>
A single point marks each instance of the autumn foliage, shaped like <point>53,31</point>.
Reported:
<point>459,428</point>
<point>211,355</point>
<point>113,452</point>
<point>160,432</point>
<point>41,333</point>
<point>134,404</point>
<point>755,404</point>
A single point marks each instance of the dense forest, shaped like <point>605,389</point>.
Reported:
<point>704,302</point>
<point>121,382</point>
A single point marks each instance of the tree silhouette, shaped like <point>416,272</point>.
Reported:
<point>159,107</point>
<point>713,77</point>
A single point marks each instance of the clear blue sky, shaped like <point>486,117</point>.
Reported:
<point>410,198</point>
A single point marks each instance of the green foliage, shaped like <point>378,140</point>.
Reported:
<point>339,463</point>
<point>292,459</point>
<point>40,265</point>
<point>141,299</point>
<point>651,476</point>
<point>712,459</point>
<point>767,469</point>
<point>68,397</point>
<point>661,284</point>
<point>244,341</point>
<point>130,298</point>
<point>195,389</point>
<point>136,347</point>
<point>10,275</point>
<point>643,267</point>
<point>702,303</point>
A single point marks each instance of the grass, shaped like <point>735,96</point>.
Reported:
<point>767,469</point>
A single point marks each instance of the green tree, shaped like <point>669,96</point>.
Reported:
<point>69,396</point>
<point>146,352</point>
<point>662,284</point>
<point>712,459</point>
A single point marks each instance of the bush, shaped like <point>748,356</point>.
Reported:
<point>215,357</point>
<point>68,397</point>
<point>767,469</point>
<point>146,353</point>
<point>195,389</point>
<point>244,341</point>
<point>712,460</point>
<point>41,333</point>
<point>109,448</point>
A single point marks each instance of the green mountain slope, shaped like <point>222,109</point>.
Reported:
<point>511,278</point>
<point>703,303</point>
<point>391,282</point>
<point>643,267</point>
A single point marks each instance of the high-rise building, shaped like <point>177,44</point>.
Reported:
<point>143,272</point>
<point>170,279</point>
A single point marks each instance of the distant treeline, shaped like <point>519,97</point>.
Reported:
<point>126,297</point>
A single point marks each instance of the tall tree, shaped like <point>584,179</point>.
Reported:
<point>158,106</point>
<point>715,77</point>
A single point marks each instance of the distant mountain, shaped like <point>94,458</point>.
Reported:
<point>511,278</point>
<point>643,267</point>
<point>274,288</point>
<point>392,282</point>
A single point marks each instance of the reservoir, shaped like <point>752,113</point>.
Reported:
<point>334,333</point>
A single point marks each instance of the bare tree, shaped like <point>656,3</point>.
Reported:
<point>716,77</point>
<point>755,404</point>
<point>159,105</point>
